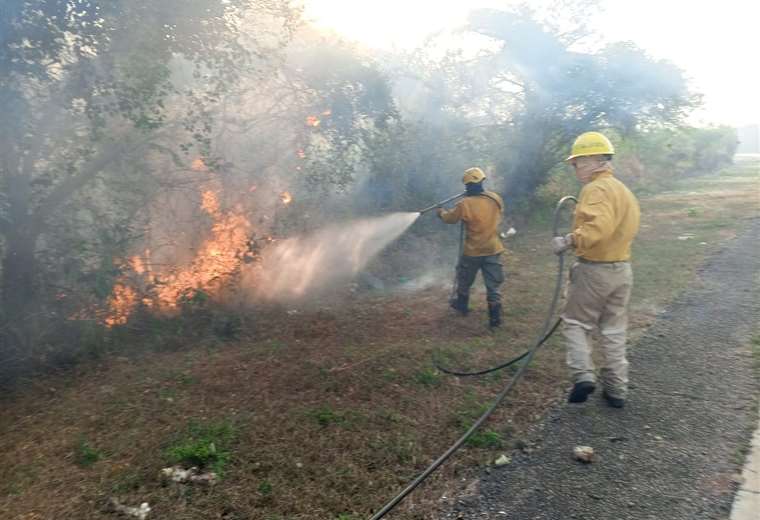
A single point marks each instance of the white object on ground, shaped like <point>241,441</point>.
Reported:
<point>141,513</point>
<point>189,476</point>
<point>584,453</point>
<point>501,461</point>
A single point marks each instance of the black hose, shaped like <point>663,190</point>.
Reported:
<point>499,398</point>
<point>506,364</point>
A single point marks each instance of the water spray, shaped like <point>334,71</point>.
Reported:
<point>441,203</point>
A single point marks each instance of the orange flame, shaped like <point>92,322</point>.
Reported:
<point>301,154</point>
<point>121,303</point>
<point>286,197</point>
<point>216,259</point>
<point>198,165</point>
<point>312,121</point>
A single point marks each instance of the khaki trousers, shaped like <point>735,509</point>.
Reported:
<point>597,298</point>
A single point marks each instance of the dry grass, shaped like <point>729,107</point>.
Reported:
<point>334,409</point>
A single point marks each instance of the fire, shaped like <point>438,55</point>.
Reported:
<point>209,203</point>
<point>286,197</point>
<point>137,264</point>
<point>312,121</point>
<point>252,188</point>
<point>301,154</point>
<point>217,258</point>
<point>327,113</point>
<point>121,303</point>
<point>198,165</point>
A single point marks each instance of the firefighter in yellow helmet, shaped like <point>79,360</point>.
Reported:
<point>606,222</point>
<point>481,213</point>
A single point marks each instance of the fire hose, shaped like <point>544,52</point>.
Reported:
<point>546,332</point>
<point>441,203</point>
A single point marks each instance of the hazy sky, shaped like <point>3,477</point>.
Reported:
<point>711,41</point>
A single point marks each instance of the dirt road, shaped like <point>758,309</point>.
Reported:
<point>675,450</point>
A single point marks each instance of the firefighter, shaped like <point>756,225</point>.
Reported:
<point>481,212</point>
<point>606,222</point>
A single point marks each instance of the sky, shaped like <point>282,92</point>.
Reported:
<point>710,41</point>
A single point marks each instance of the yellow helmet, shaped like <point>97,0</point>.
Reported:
<point>473,175</point>
<point>591,143</point>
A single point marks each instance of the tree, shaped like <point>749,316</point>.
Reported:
<point>92,89</point>
<point>554,93</point>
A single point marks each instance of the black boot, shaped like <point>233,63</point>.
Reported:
<point>461,304</point>
<point>580,392</point>
<point>615,402</point>
<point>494,315</point>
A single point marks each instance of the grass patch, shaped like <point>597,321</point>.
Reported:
<point>85,455</point>
<point>427,377</point>
<point>489,439</point>
<point>205,446</point>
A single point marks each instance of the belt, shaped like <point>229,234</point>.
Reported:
<point>585,261</point>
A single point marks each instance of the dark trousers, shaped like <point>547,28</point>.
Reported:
<point>493,275</point>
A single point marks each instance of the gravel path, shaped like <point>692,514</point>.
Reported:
<point>673,452</point>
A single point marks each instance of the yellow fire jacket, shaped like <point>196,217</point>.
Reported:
<point>606,220</point>
<point>482,216</point>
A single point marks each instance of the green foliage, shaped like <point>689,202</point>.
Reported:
<point>657,157</point>
<point>325,416</point>
<point>486,439</point>
<point>203,445</point>
<point>265,488</point>
<point>427,377</point>
<point>86,455</point>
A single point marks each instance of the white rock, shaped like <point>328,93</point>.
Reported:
<point>501,461</point>
<point>584,453</point>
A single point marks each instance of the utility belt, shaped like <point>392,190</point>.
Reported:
<point>585,261</point>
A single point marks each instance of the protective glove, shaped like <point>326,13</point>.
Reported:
<point>439,211</point>
<point>562,244</point>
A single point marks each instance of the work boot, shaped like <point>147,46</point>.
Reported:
<point>461,304</point>
<point>581,391</point>
<point>494,315</point>
<point>615,402</point>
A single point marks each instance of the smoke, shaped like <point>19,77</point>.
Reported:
<point>297,267</point>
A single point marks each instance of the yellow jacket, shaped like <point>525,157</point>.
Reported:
<point>606,220</point>
<point>482,216</point>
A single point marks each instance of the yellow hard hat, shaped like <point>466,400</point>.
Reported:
<point>473,175</point>
<point>591,143</point>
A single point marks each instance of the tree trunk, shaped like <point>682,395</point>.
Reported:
<point>19,275</point>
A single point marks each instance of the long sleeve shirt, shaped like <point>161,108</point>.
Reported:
<point>481,215</point>
<point>606,220</point>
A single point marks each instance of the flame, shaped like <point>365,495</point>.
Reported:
<point>137,264</point>
<point>209,203</point>
<point>286,197</point>
<point>312,121</point>
<point>121,304</point>
<point>301,154</point>
<point>327,113</point>
<point>217,258</point>
<point>252,188</point>
<point>198,165</point>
